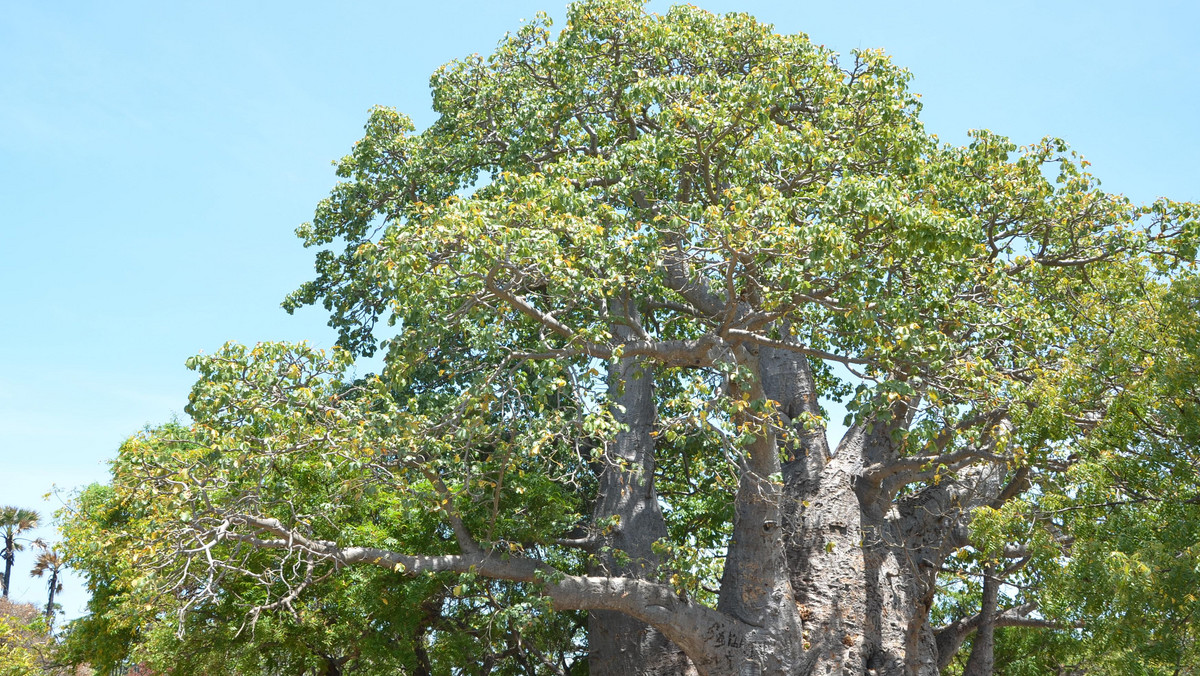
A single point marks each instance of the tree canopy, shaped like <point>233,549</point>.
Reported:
<point>618,284</point>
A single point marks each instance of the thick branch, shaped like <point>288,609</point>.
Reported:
<point>689,625</point>
<point>694,290</point>
<point>904,470</point>
<point>951,636</point>
<point>751,337</point>
<point>1015,487</point>
<point>878,472</point>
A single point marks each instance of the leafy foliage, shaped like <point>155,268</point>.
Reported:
<point>1018,349</point>
<point>24,640</point>
<point>360,622</point>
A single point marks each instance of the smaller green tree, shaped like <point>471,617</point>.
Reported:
<point>1134,576</point>
<point>13,522</point>
<point>1107,549</point>
<point>364,622</point>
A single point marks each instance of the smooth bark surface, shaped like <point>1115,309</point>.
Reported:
<point>983,659</point>
<point>617,643</point>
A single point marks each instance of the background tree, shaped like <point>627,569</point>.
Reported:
<point>1119,566</point>
<point>1135,500</point>
<point>13,522</point>
<point>620,269</point>
<point>49,564</point>
<point>23,640</point>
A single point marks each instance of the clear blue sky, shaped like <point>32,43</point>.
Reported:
<point>156,156</point>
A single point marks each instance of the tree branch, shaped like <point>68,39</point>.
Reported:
<point>694,290</point>
<point>913,466</point>
<point>690,625</point>
<point>751,337</point>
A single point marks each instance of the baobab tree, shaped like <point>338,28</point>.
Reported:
<point>616,284</point>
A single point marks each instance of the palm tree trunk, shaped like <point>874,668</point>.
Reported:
<point>50,601</point>
<point>9,555</point>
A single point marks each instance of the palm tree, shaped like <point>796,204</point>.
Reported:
<point>13,522</point>
<point>49,561</point>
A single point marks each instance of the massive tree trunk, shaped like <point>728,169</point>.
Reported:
<point>755,586</point>
<point>835,547</point>
<point>832,572</point>
<point>862,562</point>
<point>620,645</point>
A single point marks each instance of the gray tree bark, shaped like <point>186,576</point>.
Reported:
<point>620,645</point>
<point>862,562</point>
<point>982,661</point>
<point>755,587</point>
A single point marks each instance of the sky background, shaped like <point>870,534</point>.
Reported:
<point>155,158</point>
